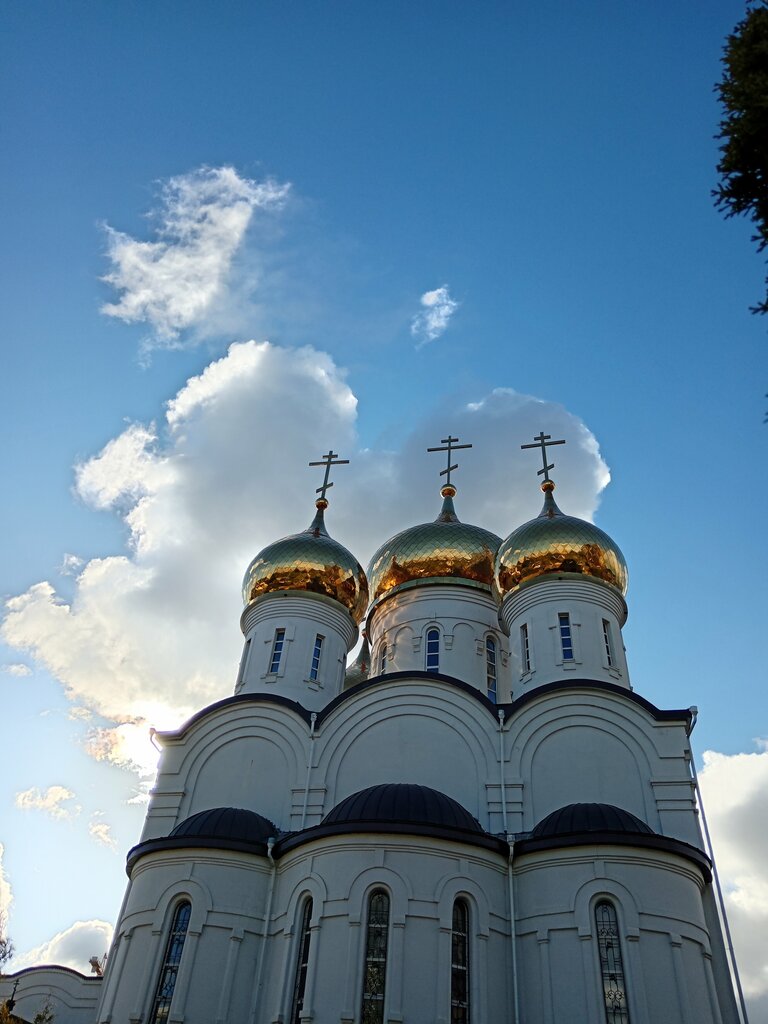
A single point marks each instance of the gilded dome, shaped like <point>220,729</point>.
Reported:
<point>444,548</point>
<point>556,543</point>
<point>311,561</point>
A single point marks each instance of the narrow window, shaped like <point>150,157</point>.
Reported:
<point>611,965</point>
<point>243,663</point>
<point>490,667</point>
<point>375,966</point>
<point>460,963</point>
<point>277,650</point>
<point>433,651</point>
<point>525,648</point>
<point>566,640</point>
<point>161,1005</point>
<point>607,641</point>
<point>301,964</point>
<point>315,666</point>
<point>383,659</point>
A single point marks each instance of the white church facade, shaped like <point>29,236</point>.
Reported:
<point>477,822</point>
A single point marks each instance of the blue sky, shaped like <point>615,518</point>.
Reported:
<point>549,166</point>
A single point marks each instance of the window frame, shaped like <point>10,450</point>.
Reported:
<point>605,975</point>
<point>461,1009</point>
<point>303,950</point>
<point>565,636</point>
<point>525,649</point>
<point>608,645</point>
<point>373,1003</point>
<point>317,654</point>
<point>491,668</point>
<point>160,1007</point>
<point>277,651</point>
<point>432,631</point>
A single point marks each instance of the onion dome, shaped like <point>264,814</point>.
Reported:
<point>360,668</point>
<point>556,543</point>
<point>444,549</point>
<point>578,818</point>
<point>403,804</point>
<point>313,562</point>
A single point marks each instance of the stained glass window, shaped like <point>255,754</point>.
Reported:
<point>460,963</point>
<point>301,964</point>
<point>161,1005</point>
<point>375,967</point>
<point>432,663</point>
<point>611,964</point>
<point>490,667</point>
<point>566,639</point>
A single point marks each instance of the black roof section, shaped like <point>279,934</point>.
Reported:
<point>589,818</point>
<point>403,803</point>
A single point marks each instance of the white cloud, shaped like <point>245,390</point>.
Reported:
<point>175,282</point>
<point>151,636</point>
<point>432,320</point>
<point>71,565</point>
<point>735,791</point>
<point>56,801</point>
<point>71,948</point>
<point>101,831</point>
<point>16,669</point>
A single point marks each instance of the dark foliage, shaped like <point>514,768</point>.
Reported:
<point>743,92</point>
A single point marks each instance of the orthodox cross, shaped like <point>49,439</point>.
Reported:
<point>542,441</point>
<point>449,446</point>
<point>331,459</point>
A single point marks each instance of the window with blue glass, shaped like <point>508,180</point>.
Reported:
<point>607,642</point>
<point>277,650</point>
<point>314,668</point>
<point>432,661</point>
<point>302,963</point>
<point>161,1005</point>
<point>566,637</point>
<point>490,667</point>
<point>525,648</point>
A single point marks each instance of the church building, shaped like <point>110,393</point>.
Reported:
<point>479,821</point>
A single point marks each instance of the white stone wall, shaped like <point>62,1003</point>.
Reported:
<point>588,603</point>
<point>71,996</point>
<point>464,616</point>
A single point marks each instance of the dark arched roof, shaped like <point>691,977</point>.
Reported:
<point>227,823</point>
<point>219,828</point>
<point>403,803</point>
<point>403,809</point>
<point>588,818</point>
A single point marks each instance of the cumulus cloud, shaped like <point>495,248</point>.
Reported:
<point>150,636</point>
<point>72,947</point>
<point>71,564</point>
<point>16,669</point>
<point>101,831</point>
<point>432,320</point>
<point>55,801</point>
<point>175,281</point>
<point>735,792</point>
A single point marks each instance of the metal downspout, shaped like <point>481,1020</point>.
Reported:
<point>312,720</point>
<point>265,933</point>
<point>510,878</point>
<point>716,876</point>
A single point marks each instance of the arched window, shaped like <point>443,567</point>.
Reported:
<point>490,667</point>
<point>166,983</point>
<point>302,961</point>
<point>460,963</point>
<point>375,966</point>
<point>432,661</point>
<point>611,964</point>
